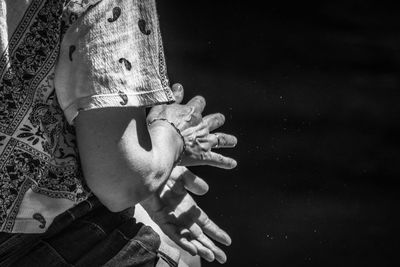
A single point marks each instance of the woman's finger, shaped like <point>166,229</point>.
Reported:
<point>223,140</point>
<point>212,230</point>
<point>217,160</point>
<point>214,121</point>
<point>219,254</point>
<point>202,251</point>
<point>184,243</point>
<point>198,103</point>
<point>194,184</point>
<point>178,91</point>
<point>180,237</point>
<point>177,171</point>
<point>191,117</point>
<point>198,235</point>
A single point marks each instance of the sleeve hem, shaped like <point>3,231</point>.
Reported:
<point>121,99</point>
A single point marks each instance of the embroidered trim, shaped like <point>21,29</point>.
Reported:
<point>38,150</point>
<point>18,33</point>
<point>32,59</point>
<point>10,220</point>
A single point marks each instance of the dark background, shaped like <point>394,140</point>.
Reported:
<point>311,91</point>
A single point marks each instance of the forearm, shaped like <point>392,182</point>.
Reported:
<point>155,160</point>
<point>123,160</point>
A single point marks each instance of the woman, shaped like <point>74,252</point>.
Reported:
<point>94,66</point>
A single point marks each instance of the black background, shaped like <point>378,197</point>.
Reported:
<point>311,91</point>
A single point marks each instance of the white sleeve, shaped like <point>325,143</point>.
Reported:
<point>112,56</point>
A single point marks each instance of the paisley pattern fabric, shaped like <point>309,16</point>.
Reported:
<point>58,58</point>
<point>112,56</point>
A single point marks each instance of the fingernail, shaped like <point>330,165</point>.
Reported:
<point>235,141</point>
<point>210,258</point>
<point>222,117</point>
<point>209,255</point>
<point>234,164</point>
<point>228,240</point>
<point>222,258</point>
<point>177,87</point>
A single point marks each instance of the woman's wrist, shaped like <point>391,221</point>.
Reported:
<point>177,140</point>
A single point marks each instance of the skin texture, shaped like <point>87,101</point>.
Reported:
<point>174,210</point>
<point>199,142</point>
<point>198,138</point>
<point>125,161</point>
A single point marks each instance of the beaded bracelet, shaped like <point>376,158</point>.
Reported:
<point>178,161</point>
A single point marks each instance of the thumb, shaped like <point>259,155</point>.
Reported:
<point>177,89</point>
<point>154,112</point>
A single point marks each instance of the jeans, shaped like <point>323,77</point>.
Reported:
<point>86,235</point>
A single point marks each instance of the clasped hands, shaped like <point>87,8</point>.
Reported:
<point>172,207</point>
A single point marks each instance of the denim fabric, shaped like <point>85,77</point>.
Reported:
<point>86,235</point>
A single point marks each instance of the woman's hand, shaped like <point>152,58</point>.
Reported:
<point>182,220</point>
<point>199,141</point>
<point>182,116</point>
<point>196,131</point>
